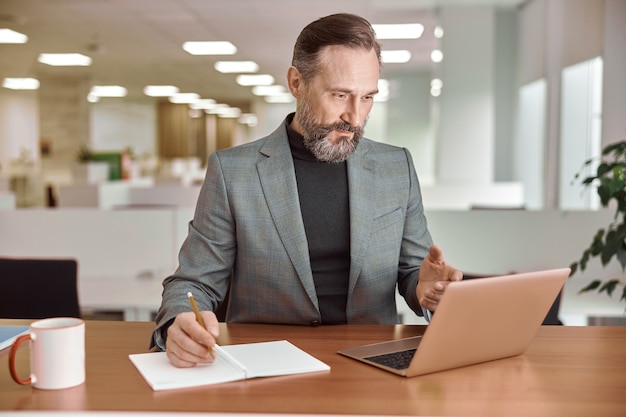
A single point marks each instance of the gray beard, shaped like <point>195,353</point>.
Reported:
<point>316,137</point>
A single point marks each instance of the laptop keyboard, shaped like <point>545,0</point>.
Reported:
<point>395,360</point>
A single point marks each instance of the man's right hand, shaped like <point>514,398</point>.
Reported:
<point>188,343</point>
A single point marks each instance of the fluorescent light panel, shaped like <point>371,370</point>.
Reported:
<point>65,60</point>
<point>203,104</point>
<point>210,48</point>
<point>279,98</point>
<point>256,79</point>
<point>217,108</point>
<point>249,119</point>
<point>236,66</point>
<point>268,90</point>
<point>160,90</point>
<point>229,112</point>
<point>20,83</point>
<point>395,56</point>
<point>184,98</point>
<point>399,31</point>
<point>11,36</point>
<point>109,91</point>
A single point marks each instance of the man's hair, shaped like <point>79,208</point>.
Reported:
<point>337,29</point>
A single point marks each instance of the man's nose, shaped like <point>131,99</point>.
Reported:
<point>352,113</point>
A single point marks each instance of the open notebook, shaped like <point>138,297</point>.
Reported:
<point>476,321</point>
<point>233,363</point>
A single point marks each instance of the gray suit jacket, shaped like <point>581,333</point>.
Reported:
<point>248,222</point>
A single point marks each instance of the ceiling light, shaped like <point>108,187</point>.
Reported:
<point>438,32</point>
<point>279,98</point>
<point>436,55</point>
<point>435,87</point>
<point>396,56</point>
<point>229,112</point>
<point>11,36</point>
<point>257,79</point>
<point>64,60</point>
<point>400,31</point>
<point>160,90</point>
<point>184,98</point>
<point>203,104</point>
<point>217,108</point>
<point>268,90</point>
<point>236,66</point>
<point>21,83</point>
<point>249,119</point>
<point>92,98</point>
<point>210,48</point>
<point>109,91</point>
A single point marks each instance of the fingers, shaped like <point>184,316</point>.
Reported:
<point>435,254</point>
<point>210,319</point>
<point>188,343</point>
<point>435,275</point>
<point>454,274</point>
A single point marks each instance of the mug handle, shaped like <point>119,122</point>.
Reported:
<point>12,354</point>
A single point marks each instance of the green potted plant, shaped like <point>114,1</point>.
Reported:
<point>608,242</point>
<point>88,169</point>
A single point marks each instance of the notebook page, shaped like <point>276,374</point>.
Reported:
<point>160,374</point>
<point>274,358</point>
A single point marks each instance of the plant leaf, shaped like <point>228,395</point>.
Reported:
<point>617,147</point>
<point>609,286</point>
<point>621,254</point>
<point>610,248</point>
<point>592,286</point>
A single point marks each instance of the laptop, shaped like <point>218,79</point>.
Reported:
<point>476,321</point>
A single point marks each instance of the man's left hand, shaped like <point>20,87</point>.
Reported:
<point>435,275</point>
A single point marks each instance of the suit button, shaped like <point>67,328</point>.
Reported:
<point>315,323</point>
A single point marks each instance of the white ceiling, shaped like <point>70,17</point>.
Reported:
<point>138,42</point>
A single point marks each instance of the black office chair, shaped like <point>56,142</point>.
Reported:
<point>33,288</point>
<point>552,317</point>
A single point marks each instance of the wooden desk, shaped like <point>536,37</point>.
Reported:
<point>567,371</point>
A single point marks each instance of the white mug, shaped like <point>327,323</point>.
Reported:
<point>57,353</point>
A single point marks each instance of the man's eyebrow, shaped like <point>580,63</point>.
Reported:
<point>348,91</point>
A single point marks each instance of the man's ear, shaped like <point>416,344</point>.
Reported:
<point>294,80</point>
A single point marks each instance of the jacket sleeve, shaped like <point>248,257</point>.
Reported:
<point>416,241</point>
<point>206,257</point>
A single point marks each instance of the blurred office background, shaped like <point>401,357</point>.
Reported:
<point>499,101</point>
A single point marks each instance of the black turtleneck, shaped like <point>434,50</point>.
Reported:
<point>324,203</point>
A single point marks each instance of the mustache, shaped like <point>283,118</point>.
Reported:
<point>346,127</point>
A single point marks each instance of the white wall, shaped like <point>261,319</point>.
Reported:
<point>466,130</point>
<point>116,125</point>
<point>19,125</point>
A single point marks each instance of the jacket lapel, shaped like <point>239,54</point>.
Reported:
<point>278,180</point>
<point>361,182</point>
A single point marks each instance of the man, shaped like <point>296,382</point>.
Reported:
<point>316,224</point>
